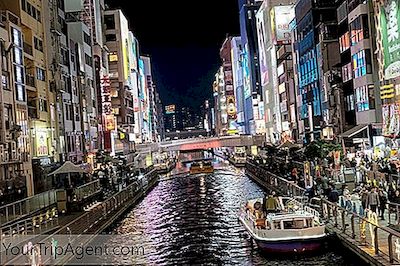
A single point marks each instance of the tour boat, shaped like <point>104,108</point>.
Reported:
<point>238,161</point>
<point>293,228</point>
<point>203,167</point>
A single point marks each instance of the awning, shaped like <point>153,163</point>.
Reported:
<point>287,145</point>
<point>354,131</point>
<point>68,167</point>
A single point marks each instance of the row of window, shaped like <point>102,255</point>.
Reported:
<point>359,29</point>
<point>365,98</point>
<point>362,63</point>
<point>31,10</point>
<point>38,44</point>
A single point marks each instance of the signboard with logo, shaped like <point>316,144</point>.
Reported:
<point>390,19</point>
<point>281,16</point>
<point>170,109</point>
<point>391,120</point>
<point>41,144</point>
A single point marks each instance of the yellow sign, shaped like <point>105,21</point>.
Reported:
<point>113,57</point>
<point>149,160</point>
<point>254,150</point>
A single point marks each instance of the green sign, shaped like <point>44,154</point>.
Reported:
<point>390,21</point>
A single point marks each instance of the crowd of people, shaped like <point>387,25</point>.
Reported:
<point>360,183</point>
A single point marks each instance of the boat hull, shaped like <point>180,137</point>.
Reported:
<point>291,246</point>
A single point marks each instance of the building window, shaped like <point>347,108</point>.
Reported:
<point>344,42</point>
<point>87,39</point>
<point>77,117</point>
<point>42,105</point>
<point>68,112</point>
<point>111,37</point>
<point>20,90</point>
<point>109,20</point>
<point>365,99</point>
<point>347,72</point>
<point>8,117</point>
<point>349,102</point>
<point>88,60</point>
<point>5,81</point>
<point>40,74</point>
<point>31,10</point>
<point>362,64</point>
<point>38,44</point>
<point>359,29</point>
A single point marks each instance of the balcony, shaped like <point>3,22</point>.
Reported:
<point>32,110</point>
<point>30,80</point>
<point>28,49</point>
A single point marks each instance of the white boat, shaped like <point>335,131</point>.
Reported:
<point>294,228</point>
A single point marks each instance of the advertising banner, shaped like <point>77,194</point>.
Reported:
<point>170,109</point>
<point>391,120</point>
<point>261,44</point>
<point>390,19</point>
<point>41,144</point>
<point>281,16</point>
<point>246,73</point>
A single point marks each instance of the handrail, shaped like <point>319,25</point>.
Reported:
<point>366,233</point>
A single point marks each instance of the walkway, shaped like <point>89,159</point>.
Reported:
<point>367,237</point>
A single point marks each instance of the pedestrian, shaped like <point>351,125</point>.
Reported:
<point>364,198</point>
<point>333,195</point>
<point>347,198</point>
<point>382,203</point>
<point>373,200</point>
<point>272,204</point>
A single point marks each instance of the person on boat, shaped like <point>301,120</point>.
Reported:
<point>272,204</point>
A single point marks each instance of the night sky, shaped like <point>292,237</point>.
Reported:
<point>183,41</point>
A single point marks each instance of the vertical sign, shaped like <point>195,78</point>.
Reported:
<point>390,18</point>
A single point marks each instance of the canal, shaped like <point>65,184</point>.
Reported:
<point>193,220</point>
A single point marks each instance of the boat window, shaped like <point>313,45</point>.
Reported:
<point>288,224</point>
<point>294,224</point>
<point>309,222</point>
<point>277,225</point>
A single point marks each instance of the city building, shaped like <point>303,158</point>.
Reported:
<point>226,58</point>
<point>309,14</point>
<point>237,74</point>
<point>32,82</point>
<point>386,23</point>
<point>253,98</point>
<point>220,104</point>
<point>276,70</point>
<point>361,43</point>
<point>16,177</point>
<point>117,41</point>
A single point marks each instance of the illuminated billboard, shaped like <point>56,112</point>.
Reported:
<point>261,29</point>
<point>390,19</point>
<point>246,72</point>
<point>391,120</point>
<point>170,109</point>
<point>281,16</point>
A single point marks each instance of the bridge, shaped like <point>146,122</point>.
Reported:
<point>202,143</point>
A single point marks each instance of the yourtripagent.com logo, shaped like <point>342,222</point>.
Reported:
<point>68,250</point>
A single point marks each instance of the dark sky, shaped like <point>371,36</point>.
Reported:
<point>183,39</point>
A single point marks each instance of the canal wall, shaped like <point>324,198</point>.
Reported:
<point>100,217</point>
<point>375,244</point>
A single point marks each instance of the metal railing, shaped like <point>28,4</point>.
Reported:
<point>87,190</point>
<point>19,209</point>
<point>363,230</point>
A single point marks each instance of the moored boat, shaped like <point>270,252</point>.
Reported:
<point>203,167</point>
<point>292,228</point>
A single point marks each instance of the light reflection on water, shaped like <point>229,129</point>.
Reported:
<point>193,220</point>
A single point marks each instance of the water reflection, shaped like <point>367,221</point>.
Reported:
<point>193,220</point>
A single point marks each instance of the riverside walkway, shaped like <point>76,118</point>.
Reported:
<point>375,243</point>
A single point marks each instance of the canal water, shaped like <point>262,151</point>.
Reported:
<point>189,220</point>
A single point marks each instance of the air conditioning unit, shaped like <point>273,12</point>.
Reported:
<point>2,157</point>
<point>13,150</point>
